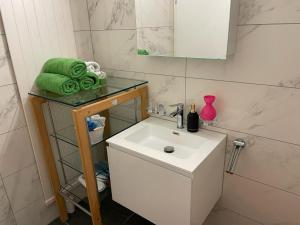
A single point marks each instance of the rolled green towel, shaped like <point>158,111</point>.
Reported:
<point>57,83</point>
<point>89,81</point>
<point>142,52</point>
<point>73,68</point>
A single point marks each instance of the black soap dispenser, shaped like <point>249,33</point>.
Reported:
<point>193,120</point>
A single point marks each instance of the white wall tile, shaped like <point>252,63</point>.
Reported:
<point>264,55</point>
<point>222,216</point>
<point>163,89</point>
<point>268,161</point>
<point>11,112</point>
<point>5,209</point>
<point>37,30</point>
<point>117,50</point>
<point>111,14</point>
<point>80,16</point>
<point>260,202</point>
<point>269,11</point>
<point>10,220</point>
<point>163,9</point>
<point>255,109</point>
<point>84,45</point>
<point>2,31</point>
<point>6,69</point>
<point>23,188</point>
<point>36,214</point>
<point>15,151</point>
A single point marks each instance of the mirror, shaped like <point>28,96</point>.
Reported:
<point>186,28</point>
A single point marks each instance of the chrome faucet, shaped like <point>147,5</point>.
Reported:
<point>179,113</point>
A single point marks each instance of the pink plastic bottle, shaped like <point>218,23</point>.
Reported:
<point>208,112</point>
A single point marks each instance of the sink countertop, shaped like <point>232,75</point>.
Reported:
<point>205,141</point>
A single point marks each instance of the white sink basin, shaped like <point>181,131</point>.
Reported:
<point>156,138</point>
<point>148,139</point>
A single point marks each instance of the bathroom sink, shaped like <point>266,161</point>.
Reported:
<point>165,174</point>
<point>156,138</point>
<point>149,138</point>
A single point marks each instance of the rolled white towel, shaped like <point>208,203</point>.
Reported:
<point>100,74</point>
<point>93,66</point>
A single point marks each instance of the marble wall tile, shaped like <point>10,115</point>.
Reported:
<point>163,89</point>
<point>111,14</point>
<point>37,214</point>
<point>276,163</point>
<point>23,188</point>
<point>5,209</point>
<point>264,55</point>
<point>260,202</point>
<point>15,151</point>
<point>15,147</point>
<point>6,69</point>
<point>84,45</point>
<point>269,11</point>
<point>255,109</point>
<point>117,50</point>
<point>80,16</point>
<point>11,112</point>
<point>9,221</point>
<point>2,31</point>
<point>222,216</point>
<point>163,9</point>
<point>156,40</point>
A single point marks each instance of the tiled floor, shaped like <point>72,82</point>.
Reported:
<point>112,214</point>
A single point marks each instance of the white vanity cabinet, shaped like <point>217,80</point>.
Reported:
<point>162,195</point>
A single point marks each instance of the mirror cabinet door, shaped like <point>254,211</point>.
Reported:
<point>186,28</point>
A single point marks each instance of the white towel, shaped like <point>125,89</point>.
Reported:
<point>93,66</point>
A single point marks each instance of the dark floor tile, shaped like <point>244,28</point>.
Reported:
<point>138,220</point>
<point>80,218</point>
<point>112,214</point>
<point>77,218</point>
<point>55,222</point>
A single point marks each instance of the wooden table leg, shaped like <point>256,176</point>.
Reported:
<point>87,165</point>
<point>144,103</point>
<point>105,113</point>
<point>49,157</point>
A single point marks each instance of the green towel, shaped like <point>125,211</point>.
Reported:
<point>89,81</point>
<point>73,68</point>
<point>57,83</point>
<point>142,52</point>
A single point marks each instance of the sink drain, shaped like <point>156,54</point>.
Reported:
<point>169,149</point>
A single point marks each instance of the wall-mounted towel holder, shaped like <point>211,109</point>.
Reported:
<point>239,144</point>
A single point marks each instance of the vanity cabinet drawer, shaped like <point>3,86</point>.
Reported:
<point>161,192</point>
<point>158,194</point>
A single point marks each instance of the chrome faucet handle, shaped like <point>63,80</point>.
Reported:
<point>179,113</point>
<point>150,108</point>
<point>161,110</point>
<point>178,105</point>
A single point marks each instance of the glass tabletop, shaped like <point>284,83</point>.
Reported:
<point>113,86</point>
